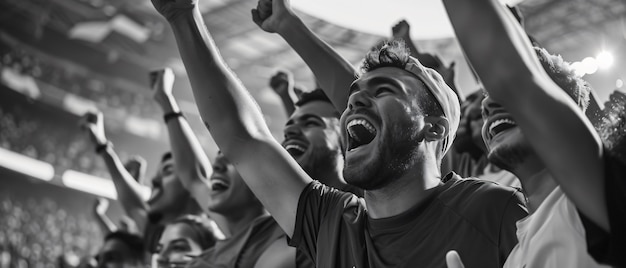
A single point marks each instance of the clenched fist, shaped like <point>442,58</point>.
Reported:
<point>272,15</point>
<point>172,9</point>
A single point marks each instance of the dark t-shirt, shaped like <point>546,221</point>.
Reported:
<point>242,250</point>
<point>476,218</point>
<point>610,248</point>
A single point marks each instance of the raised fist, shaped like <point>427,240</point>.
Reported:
<point>281,82</point>
<point>172,9</point>
<point>401,30</point>
<point>136,166</point>
<point>162,82</point>
<point>272,15</point>
<point>101,206</point>
<point>93,123</point>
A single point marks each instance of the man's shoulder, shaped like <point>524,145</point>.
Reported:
<point>477,190</point>
<point>474,198</point>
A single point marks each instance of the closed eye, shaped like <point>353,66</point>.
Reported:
<point>383,90</point>
<point>312,123</point>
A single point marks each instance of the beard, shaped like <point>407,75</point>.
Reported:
<point>395,154</point>
<point>319,161</point>
<point>509,156</point>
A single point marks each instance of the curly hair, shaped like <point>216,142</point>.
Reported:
<point>564,76</point>
<point>396,54</point>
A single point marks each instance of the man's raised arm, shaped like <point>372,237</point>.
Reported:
<point>128,189</point>
<point>334,73</point>
<point>233,117</point>
<point>558,131</point>
<point>192,165</point>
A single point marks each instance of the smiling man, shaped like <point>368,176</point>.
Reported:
<point>399,122</point>
<point>312,137</point>
<point>168,199</point>
<point>253,238</point>
<point>535,127</point>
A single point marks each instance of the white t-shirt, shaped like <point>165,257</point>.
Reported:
<point>553,236</point>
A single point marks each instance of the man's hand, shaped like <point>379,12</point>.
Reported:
<point>101,206</point>
<point>93,123</point>
<point>272,15</point>
<point>453,260</point>
<point>136,166</point>
<point>401,30</point>
<point>173,9</point>
<point>281,82</point>
<point>162,82</point>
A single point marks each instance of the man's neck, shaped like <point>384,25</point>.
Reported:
<point>537,182</point>
<point>328,176</point>
<point>405,193</point>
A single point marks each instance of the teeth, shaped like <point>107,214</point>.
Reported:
<point>295,147</point>
<point>362,122</point>
<point>217,182</point>
<point>500,122</point>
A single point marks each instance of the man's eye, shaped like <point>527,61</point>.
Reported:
<point>312,124</point>
<point>383,90</point>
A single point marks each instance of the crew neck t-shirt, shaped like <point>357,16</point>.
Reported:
<point>552,237</point>
<point>242,250</point>
<point>474,217</point>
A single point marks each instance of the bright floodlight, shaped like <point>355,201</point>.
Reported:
<point>619,83</point>
<point>578,68</point>
<point>589,65</point>
<point>604,60</point>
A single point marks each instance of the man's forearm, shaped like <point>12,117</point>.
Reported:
<point>334,73</point>
<point>128,190</point>
<point>550,120</point>
<point>236,122</point>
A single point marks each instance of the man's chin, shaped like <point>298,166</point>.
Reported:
<point>507,158</point>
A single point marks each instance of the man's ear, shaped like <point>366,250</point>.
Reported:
<point>437,128</point>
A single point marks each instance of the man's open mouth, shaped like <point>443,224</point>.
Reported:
<point>295,149</point>
<point>360,132</point>
<point>500,125</point>
<point>219,185</point>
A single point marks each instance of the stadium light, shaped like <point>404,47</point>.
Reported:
<point>578,68</point>
<point>589,65</point>
<point>26,165</point>
<point>96,185</point>
<point>604,60</point>
<point>90,184</point>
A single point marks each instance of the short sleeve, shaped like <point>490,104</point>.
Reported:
<point>514,211</point>
<point>318,204</point>
<point>604,247</point>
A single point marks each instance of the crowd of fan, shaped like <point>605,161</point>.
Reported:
<point>368,172</point>
<point>77,82</point>
<point>36,232</point>
<point>23,132</point>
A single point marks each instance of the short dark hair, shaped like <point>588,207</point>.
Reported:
<point>201,227</point>
<point>564,76</point>
<point>134,242</point>
<point>396,54</point>
<point>315,95</point>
